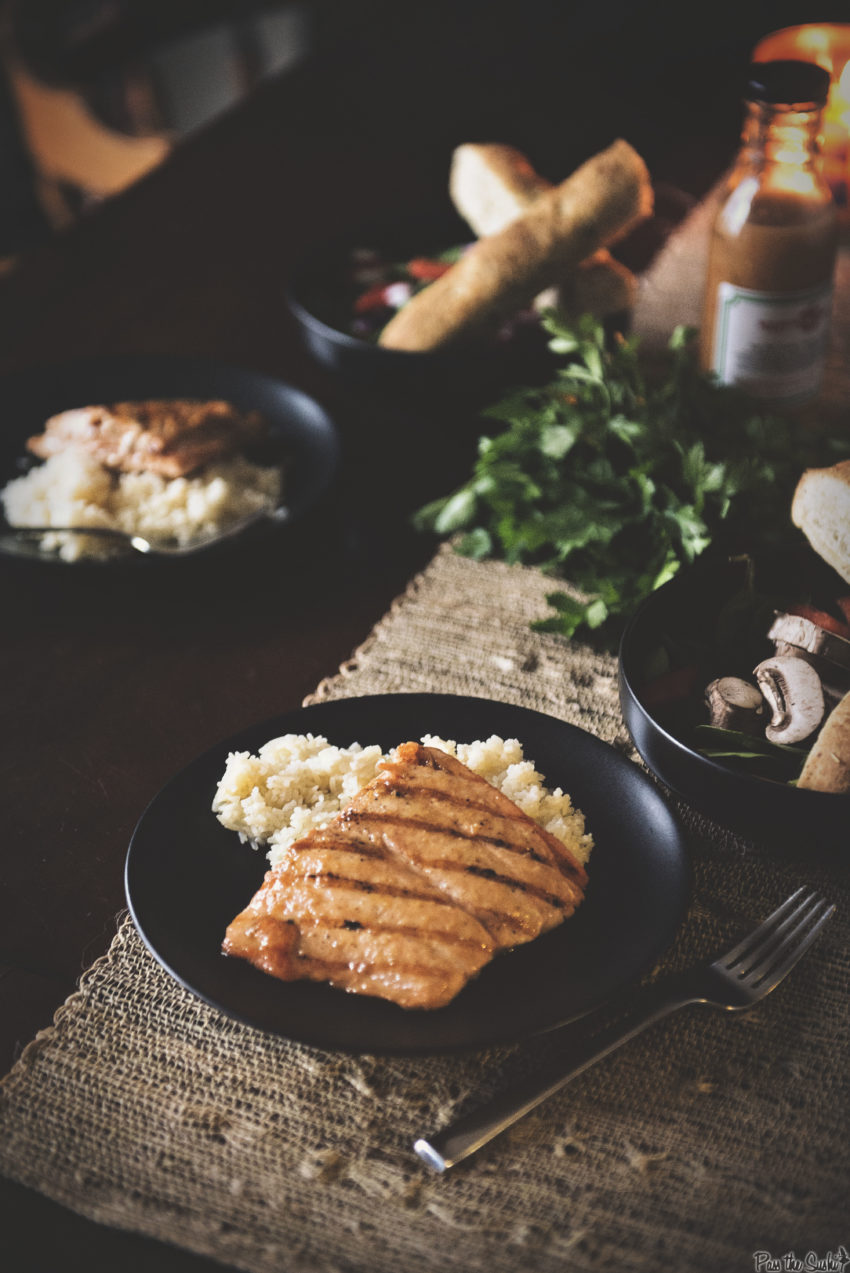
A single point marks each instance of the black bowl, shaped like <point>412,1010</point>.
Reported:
<point>686,611</point>
<point>319,298</point>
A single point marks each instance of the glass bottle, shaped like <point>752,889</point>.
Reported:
<point>771,261</point>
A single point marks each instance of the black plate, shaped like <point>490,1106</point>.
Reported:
<point>303,437</point>
<point>187,877</point>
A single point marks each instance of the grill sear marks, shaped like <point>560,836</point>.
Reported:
<point>409,892</point>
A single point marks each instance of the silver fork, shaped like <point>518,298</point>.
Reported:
<point>737,980</point>
<point>142,544</point>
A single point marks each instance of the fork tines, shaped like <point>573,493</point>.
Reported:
<point>776,945</point>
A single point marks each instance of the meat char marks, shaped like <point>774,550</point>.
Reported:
<point>341,910</point>
<point>426,874</point>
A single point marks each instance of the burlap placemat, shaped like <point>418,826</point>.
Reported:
<point>702,1142</point>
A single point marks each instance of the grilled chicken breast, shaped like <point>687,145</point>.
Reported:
<point>171,437</point>
<point>340,909</point>
<point>410,891</point>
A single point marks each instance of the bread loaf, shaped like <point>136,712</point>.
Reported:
<point>827,766</point>
<point>821,509</point>
<point>491,185</point>
<point>502,273</point>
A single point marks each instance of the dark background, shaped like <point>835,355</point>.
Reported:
<point>552,76</point>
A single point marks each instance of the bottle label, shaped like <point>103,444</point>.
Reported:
<point>772,345</point>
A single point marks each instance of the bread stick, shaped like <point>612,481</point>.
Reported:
<point>492,184</point>
<point>827,766</point>
<point>502,273</point>
<point>601,285</point>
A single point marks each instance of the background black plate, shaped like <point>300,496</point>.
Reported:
<point>187,877</point>
<point>302,433</point>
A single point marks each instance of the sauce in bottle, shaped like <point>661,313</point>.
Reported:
<point>768,300</point>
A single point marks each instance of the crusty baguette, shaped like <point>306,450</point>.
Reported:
<point>827,766</point>
<point>492,184</point>
<point>601,285</point>
<point>821,509</point>
<point>501,274</point>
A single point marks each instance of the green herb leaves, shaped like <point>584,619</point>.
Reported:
<point>615,478</point>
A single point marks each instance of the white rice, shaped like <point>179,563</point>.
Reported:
<point>73,489</point>
<point>301,781</point>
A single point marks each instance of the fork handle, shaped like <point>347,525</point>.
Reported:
<point>477,1128</point>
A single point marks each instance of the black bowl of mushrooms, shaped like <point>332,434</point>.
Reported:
<point>735,687</point>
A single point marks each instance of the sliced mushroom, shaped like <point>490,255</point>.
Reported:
<point>828,652</point>
<point>794,629</point>
<point>834,680</point>
<point>793,691</point>
<point>734,703</point>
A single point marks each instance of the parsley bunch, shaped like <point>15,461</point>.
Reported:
<point>615,476</point>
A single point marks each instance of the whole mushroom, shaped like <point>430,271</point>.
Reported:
<point>794,693</point>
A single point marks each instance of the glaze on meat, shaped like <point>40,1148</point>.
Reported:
<point>170,436</point>
<point>425,875</point>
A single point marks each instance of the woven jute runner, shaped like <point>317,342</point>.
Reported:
<point>703,1142</point>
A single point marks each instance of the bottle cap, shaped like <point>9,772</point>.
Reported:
<point>788,83</point>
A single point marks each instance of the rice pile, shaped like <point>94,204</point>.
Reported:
<point>73,489</point>
<point>301,781</point>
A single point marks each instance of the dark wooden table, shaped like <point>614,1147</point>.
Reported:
<point>109,690</point>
